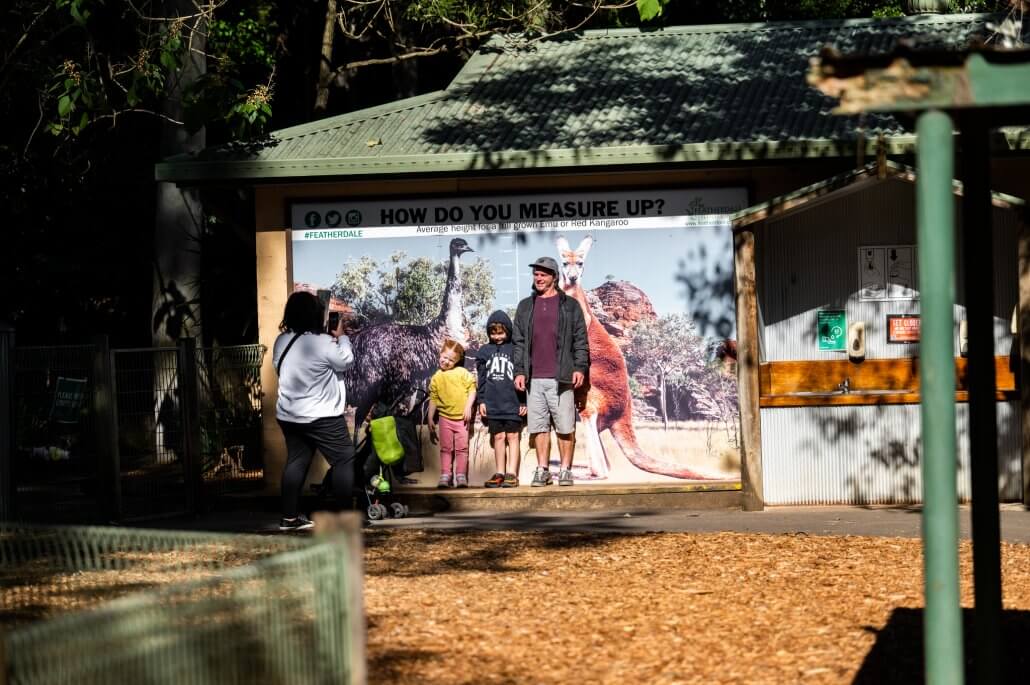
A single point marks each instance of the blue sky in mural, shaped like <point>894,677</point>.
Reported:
<point>655,260</point>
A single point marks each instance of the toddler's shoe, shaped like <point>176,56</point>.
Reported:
<point>496,481</point>
<point>510,481</point>
<point>445,481</point>
<point>461,481</point>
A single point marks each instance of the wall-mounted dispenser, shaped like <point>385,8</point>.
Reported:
<point>856,341</point>
<point>963,338</point>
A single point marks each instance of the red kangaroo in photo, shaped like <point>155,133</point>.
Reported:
<point>609,405</point>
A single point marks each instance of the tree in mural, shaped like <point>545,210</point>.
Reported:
<point>670,348</point>
<point>409,290</point>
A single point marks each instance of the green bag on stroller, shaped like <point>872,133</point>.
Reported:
<point>387,445</point>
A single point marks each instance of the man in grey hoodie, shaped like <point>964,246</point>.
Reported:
<point>552,358</point>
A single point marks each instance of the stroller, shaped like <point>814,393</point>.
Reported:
<point>394,429</point>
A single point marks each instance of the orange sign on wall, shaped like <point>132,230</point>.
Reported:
<point>902,328</point>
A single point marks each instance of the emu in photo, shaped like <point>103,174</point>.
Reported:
<point>389,357</point>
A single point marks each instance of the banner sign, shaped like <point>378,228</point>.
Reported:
<point>903,328</point>
<point>594,211</point>
<point>652,273</point>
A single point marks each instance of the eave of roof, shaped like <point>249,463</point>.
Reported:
<point>850,181</point>
<point>177,169</point>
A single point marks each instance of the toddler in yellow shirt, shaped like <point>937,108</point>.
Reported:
<point>452,392</point>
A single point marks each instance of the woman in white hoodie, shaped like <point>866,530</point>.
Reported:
<point>311,401</point>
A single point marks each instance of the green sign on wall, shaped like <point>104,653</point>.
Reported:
<point>832,326</point>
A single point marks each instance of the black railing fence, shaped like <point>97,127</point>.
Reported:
<point>95,434</point>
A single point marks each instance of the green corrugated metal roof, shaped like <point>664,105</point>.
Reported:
<point>608,98</point>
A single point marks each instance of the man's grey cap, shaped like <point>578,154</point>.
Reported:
<point>545,263</point>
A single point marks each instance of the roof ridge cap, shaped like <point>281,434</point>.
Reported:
<point>784,25</point>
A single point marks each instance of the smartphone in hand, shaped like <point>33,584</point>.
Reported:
<point>332,322</point>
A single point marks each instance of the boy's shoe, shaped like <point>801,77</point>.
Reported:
<point>565,477</point>
<point>461,481</point>
<point>445,481</point>
<point>496,481</point>
<point>302,522</point>
<point>541,477</point>
<point>510,481</point>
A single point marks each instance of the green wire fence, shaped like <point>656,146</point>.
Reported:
<point>101,605</point>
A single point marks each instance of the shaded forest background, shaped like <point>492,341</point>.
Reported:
<point>97,91</point>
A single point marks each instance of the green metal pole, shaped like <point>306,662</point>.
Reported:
<point>935,212</point>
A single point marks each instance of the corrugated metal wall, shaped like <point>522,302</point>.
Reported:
<point>868,454</point>
<point>808,260</point>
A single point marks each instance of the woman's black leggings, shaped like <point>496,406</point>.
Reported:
<point>329,436</point>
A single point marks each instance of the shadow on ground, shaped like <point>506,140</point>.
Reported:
<point>391,554</point>
<point>897,656</point>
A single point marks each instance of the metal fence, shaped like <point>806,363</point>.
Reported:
<point>55,457</point>
<point>174,607</point>
<point>126,434</point>
<point>230,416</point>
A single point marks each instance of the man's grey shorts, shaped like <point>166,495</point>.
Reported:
<point>549,401</point>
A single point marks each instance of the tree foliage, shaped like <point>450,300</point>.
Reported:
<point>410,290</point>
<point>85,82</point>
<point>695,384</point>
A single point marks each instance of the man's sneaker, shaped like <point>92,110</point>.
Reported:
<point>461,481</point>
<point>510,481</point>
<point>300,523</point>
<point>541,477</point>
<point>445,481</point>
<point>565,477</point>
<point>496,481</point>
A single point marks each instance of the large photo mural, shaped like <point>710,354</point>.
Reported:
<point>652,272</point>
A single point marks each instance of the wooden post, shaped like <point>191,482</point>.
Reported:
<point>348,525</point>
<point>1022,369</point>
<point>747,370</point>
<point>7,437</point>
<point>977,243</point>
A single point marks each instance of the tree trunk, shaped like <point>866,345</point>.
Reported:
<point>179,217</point>
<point>662,401</point>
<point>178,229</point>
<point>325,62</point>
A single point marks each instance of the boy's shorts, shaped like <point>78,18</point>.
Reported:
<point>496,426</point>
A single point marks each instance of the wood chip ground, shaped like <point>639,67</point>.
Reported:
<point>530,607</point>
<point>471,607</point>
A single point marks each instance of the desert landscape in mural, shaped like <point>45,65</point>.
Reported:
<point>662,400</point>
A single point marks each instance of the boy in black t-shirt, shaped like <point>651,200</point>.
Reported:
<point>501,404</point>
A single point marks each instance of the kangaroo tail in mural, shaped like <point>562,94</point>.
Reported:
<point>626,438</point>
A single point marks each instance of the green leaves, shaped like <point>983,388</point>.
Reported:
<point>78,9</point>
<point>649,9</point>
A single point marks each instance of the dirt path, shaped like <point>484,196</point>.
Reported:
<point>450,607</point>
